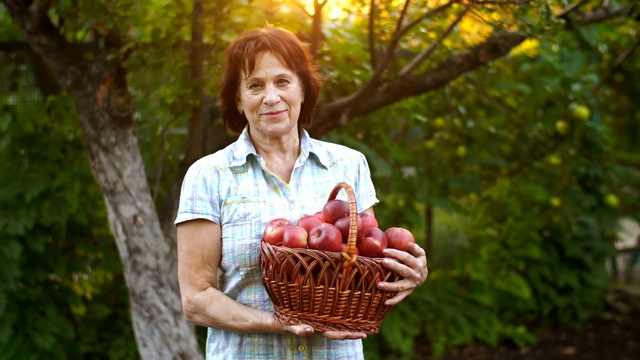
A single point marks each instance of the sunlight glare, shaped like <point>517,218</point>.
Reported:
<point>334,9</point>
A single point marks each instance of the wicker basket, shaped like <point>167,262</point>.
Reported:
<point>327,290</point>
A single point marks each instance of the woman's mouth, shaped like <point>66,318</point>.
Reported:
<point>274,113</point>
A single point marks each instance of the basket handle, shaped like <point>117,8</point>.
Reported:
<point>349,256</point>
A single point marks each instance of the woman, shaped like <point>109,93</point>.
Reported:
<point>269,92</point>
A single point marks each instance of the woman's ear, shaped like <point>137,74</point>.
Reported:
<point>239,106</point>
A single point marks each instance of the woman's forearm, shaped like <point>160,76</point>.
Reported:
<point>212,308</point>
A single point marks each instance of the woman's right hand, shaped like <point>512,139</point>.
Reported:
<point>344,335</point>
<point>306,330</point>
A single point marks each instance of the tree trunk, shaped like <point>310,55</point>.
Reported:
<point>104,105</point>
<point>156,310</point>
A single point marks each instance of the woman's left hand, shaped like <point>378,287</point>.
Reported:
<point>411,266</point>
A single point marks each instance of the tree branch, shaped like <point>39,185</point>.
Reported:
<point>597,15</point>
<point>569,9</point>
<point>342,111</point>
<point>316,27</point>
<point>605,13</point>
<point>420,58</point>
<point>426,15</point>
<point>328,116</point>
<point>379,70</point>
<point>617,63</point>
<point>372,37</point>
<point>38,11</point>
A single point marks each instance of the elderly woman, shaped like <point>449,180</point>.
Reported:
<point>274,170</point>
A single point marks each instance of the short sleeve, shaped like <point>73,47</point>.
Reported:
<point>199,198</point>
<point>365,191</point>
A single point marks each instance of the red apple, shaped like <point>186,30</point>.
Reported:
<point>286,265</point>
<point>343,225</point>
<point>295,237</point>
<point>274,231</point>
<point>368,273</point>
<point>308,222</point>
<point>328,276</point>
<point>299,279</point>
<point>325,237</point>
<point>366,221</point>
<point>399,238</point>
<point>343,248</point>
<point>335,209</point>
<point>372,244</point>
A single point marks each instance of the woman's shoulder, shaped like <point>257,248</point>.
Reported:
<point>220,159</point>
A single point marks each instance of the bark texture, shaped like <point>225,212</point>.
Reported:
<point>105,107</point>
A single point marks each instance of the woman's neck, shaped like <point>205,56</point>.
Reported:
<point>280,154</point>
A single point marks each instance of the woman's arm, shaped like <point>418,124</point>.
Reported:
<point>199,254</point>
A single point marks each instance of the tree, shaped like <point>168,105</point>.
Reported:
<point>89,63</point>
<point>104,106</point>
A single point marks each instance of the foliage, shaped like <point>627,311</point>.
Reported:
<point>526,196</point>
<point>517,184</point>
<point>62,294</point>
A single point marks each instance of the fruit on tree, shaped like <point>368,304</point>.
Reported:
<point>326,237</point>
<point>612,200</point>
<point>274,230</point>
<point>399,238</point>
<point>562,127</point>
<point>581,112</point>
<point>295,237</point>
<point>439,122</point>
<point>555,160</point>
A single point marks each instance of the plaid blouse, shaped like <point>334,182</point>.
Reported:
<point>234,188</point>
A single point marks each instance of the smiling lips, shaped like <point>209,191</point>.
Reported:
<point>274,113</point>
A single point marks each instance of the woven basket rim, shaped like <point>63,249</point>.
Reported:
<point>347,300</point>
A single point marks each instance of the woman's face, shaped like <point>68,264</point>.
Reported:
<point>271,98</point>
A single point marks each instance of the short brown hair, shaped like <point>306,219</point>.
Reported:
<point>241,57</point>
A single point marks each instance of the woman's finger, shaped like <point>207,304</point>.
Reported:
<point>299,330</point>
<point>398,297</point>
<point>344,335</point>
<point>412,266</point>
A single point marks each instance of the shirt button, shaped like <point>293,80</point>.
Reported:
<point>301,348</point>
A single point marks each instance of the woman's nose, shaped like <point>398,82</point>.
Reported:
<point>271,95</point>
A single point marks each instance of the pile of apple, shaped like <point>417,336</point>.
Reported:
<point>328,230</point>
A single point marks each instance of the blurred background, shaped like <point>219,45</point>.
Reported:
<point>504,134</point>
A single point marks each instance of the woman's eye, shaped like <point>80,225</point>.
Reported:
<point>283,82</point>
<point>254,86</point>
